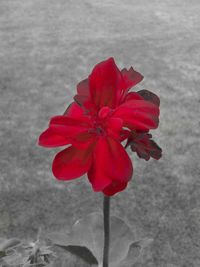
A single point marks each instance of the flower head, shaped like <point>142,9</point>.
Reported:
<point>103,115</point>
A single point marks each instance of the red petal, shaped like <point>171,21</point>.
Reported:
<point>142,106</point>
<point>81,122</point>
<point>104,112</point>
<point>105,82</point>
<point>114,127</point>
<point>124,135</point>
<point>131,78</point>
<point>74,111</point>
<point>62,130</point>
<point>110,163</point>
<point>96,174</point>
<point>114,188</point>
<point>72,163</point>
<point>138,120</point>
<point>138,114</point>
<point>50,138</point>
<point>133,96</point>
<point>83,139</point>
<point>59,136</point>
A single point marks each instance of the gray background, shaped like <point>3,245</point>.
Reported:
<point>46,48</point>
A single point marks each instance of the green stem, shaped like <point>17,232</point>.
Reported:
<point>106,213</point>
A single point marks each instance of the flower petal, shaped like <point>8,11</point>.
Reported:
<point>74,111</point>
<point>96,175</point>
<point>81,122</point>
<point>131,77</point>
<point>62,130</point>
<point>149,96</point>
<point>110,163</point>
<point>83,139</point>
<point>72,163</point>
<point>120,166</point>
<point>138,114</point>
<point>132,96</point>
<point>83,88</point>
<point>86,104</point>
<point>114,127</point>
<point>114,188</point>
<point>141,105</point>
<point>50,138</point>
<point>105,84</point>
<point>144,146</point>
<point>83,97</point>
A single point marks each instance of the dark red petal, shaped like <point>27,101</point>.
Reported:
<point>72,163</point>
<point>83,98</point>
<point>114,188</point>
<point>83,88</point>
<point>50,138</point>
<point>105,84</point>
<point>110,163</point>
<point>149,96</point>
<point>131,77</point>
<point>85,103</point>
<point>155,151</point>
<point>144,146</point>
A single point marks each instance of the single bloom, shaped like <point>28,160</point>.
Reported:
<point>104,113</point>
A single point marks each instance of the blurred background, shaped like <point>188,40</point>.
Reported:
<point>46,48</point>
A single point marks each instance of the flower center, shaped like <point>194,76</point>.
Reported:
<point>99,130</point>
<point>100,123</point>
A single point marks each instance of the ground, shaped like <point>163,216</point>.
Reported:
<point>46,48</point>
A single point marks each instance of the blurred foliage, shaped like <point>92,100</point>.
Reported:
<point>17,253</point>
<point>81,246</point>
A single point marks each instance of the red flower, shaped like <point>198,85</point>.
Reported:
<point>95,125</point>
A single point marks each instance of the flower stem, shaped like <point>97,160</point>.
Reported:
<point>106,213</point>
